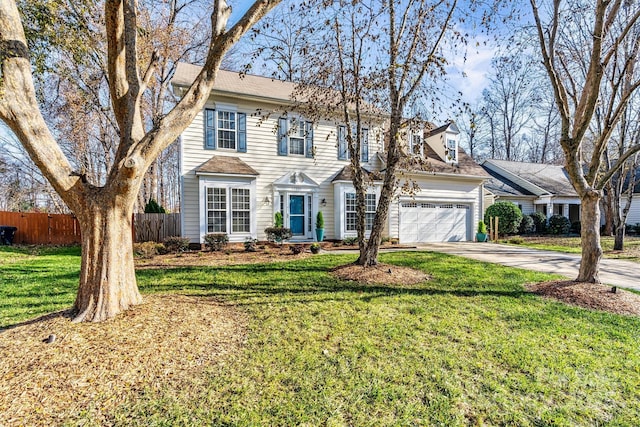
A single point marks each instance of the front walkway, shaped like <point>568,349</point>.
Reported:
<point>625,274</point>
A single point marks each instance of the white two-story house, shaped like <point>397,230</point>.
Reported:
<point>248,156</point>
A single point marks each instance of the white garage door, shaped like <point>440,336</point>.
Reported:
<point>434,222</point>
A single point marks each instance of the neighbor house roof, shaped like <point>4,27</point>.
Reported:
<point>501,186</point>
<point>225,165</point>
<point>537,178</point>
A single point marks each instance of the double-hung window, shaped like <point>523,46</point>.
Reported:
<point>295,137</point>
<point>228,210</point>
<point>351,215</point>
<point>343,145</point>
<point>225,129</point>
<point>452,150</point>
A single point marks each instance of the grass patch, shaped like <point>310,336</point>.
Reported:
<point>468,347</point>
<point>36,281</point>
<point>572,245</point>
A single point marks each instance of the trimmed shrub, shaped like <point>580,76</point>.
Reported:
<point>349,241</point>
<point>540,222</point>
<point>315,248</point>
<point>250,244</point>
<point>559,225</point>
<point>516,240</point>
<point>482,227</point>
<point>509,214</point>
<point>278,221</point>
<point>526,225</point>
<point>153,207</point>
<point>278,234</point>
<point>216,241</point>
<point>176,244</point>
<point>296,249</point>
<point>319,220</point>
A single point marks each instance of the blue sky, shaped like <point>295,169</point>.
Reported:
<point>465,74</point>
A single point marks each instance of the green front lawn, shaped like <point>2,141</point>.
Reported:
<point>468,347</point>
<point>572,245</point>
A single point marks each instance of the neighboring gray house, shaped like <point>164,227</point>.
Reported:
<point>248,156</point>
<point>534,187</point>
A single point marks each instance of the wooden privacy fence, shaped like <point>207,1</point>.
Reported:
<point>155,227</point>
<point>61,229</point>
<point>42,228</point>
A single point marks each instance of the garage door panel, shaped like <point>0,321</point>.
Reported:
<point>434,222</point>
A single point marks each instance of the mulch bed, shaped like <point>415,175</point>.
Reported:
<point>589,295</point>
<point>381,274</point>
<point>92,368</point>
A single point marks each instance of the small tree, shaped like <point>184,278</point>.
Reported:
<point>509,214</point>
<point>153,207</point>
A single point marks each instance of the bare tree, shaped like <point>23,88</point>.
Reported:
<point>107,277</point>
<point>579,43</point>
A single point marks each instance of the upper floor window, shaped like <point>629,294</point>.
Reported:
<point>225,129</point>
<point>343,146</point>
<point>452,150</point>
<point>295,137</point>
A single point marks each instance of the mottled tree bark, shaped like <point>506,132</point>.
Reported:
<point>107,275</point>
<point>590,238</point>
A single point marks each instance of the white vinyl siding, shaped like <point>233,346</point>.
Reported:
<point>261,135</point>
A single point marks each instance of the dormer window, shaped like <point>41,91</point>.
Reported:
<point>452,150</point>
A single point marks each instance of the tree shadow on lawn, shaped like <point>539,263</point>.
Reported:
<point>304,282</point>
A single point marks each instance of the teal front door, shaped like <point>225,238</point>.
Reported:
<point>296,215</point>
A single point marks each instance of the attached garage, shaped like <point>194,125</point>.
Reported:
<point>434,222</point>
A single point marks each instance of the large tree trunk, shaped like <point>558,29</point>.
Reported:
<point>107,276</point>
<point>590,236</point>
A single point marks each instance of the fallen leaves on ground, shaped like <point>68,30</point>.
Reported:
<point>589,295</point>
<point>380,274</point>
<point>91,368</point>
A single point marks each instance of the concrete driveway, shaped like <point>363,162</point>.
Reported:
<point>625,274</point>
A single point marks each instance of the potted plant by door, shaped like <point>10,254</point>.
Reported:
<point>320,227</point>
<point>481,235</point>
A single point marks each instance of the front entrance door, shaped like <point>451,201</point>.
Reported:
<point>296,215</point>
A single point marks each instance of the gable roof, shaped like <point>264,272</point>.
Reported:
<point>450,126</point>
<point>225,165</point>
<point>230,82</point>
<point>537,178</point>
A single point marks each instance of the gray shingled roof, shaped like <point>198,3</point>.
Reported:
<point>226,165</point>
<point>551,178</point>
<point>501,186</point>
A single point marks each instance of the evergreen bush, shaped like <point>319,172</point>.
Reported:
<point>509,214</point>
<point>527,226</point>
<point>153,207</point>
<point>540,222</point>
<point>559,224</point>
<point>216,241</point>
